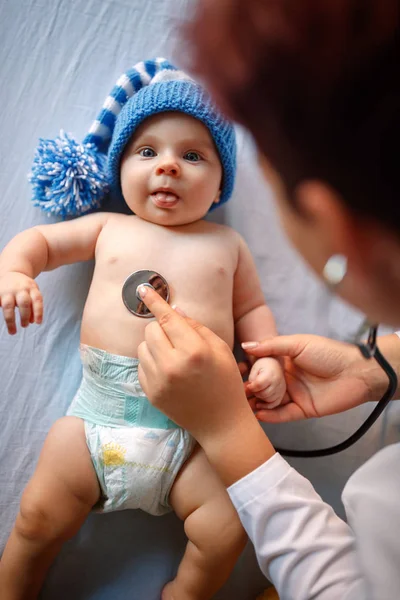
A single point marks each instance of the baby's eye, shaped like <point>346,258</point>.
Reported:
<point>147,152</point>
<point>192,156</point>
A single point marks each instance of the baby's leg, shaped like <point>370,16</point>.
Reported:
<point>216,536</point>
<point>53,507</point>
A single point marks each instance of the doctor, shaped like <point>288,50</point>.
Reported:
<point>317,84</point>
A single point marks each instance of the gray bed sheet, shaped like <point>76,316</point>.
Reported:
<point>59,61</point>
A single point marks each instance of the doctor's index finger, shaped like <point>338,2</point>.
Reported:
<point>157,305</point>
<point>175,326</point>
<point>179,329</point>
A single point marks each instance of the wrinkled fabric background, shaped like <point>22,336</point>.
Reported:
<point>59,60</point>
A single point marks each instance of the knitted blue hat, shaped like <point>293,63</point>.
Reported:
<point>70,179</point>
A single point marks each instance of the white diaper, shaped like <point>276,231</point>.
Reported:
<point>136,466</point>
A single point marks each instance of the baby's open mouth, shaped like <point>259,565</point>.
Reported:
<point>165,199</point>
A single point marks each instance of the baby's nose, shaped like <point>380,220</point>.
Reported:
<point>168,167</point>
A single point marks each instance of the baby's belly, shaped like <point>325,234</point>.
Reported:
<point>115,329</point>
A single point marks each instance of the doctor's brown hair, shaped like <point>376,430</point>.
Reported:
<point>317,84</point>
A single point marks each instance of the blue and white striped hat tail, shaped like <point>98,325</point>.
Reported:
<point>142,74</point>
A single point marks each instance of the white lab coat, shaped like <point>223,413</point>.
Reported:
<point>310,553</point>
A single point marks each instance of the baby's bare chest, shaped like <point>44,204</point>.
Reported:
<point>194,264</point>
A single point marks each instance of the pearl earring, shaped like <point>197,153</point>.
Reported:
<point>335,270</point>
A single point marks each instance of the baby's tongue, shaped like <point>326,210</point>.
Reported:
<point>166,196</point>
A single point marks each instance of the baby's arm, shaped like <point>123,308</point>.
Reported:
<point>254,321</point>
<point>38,249</point>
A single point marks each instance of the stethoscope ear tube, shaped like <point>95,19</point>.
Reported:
<point>369,350</point>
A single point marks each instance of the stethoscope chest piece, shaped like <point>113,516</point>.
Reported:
<point>130,294</point>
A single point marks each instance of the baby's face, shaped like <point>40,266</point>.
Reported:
<point>170,171</point>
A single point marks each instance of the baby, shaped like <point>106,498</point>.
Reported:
<point>172,157</point>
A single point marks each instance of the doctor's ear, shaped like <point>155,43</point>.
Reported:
<point>367,244</point>
<point>324,211</point>
<point>326,227</point>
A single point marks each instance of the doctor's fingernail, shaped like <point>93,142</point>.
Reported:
<point>249,345</point>
<point>142,290</point>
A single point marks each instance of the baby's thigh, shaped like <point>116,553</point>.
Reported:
<point>64,484</point>
<point>200,499</point>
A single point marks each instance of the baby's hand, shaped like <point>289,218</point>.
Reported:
<point>19,290</point>
<point>267,382</point>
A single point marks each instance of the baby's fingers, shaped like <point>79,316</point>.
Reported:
<point>37,306</point>
<point>8,306</point>
<point>24,303</point>
<point>272,401</point>
<point>268,403</point>
<point>258,384</point>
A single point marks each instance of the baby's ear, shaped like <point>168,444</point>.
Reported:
<point>217,197</point>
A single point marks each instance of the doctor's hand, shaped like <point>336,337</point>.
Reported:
<point>323,376</point>
<point>190,374</point>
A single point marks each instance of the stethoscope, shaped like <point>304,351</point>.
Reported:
<point>369,350</point>
<point>130,294</point>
